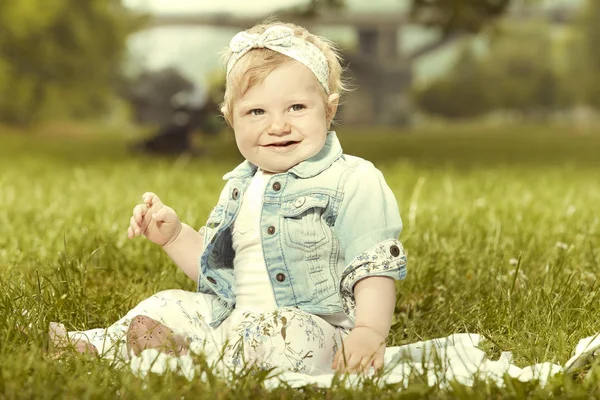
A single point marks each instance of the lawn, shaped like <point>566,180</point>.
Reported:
<point>501,226</point>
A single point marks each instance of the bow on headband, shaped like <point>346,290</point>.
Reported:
<point>282,40</point>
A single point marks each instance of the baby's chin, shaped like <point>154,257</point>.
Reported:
<point>276,166</point>
<point>279,163</point>
<point>274,169</point>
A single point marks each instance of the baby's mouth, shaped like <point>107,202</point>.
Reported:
<point>283,144</point>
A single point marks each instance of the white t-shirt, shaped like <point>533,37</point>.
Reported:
<point>253,290</point>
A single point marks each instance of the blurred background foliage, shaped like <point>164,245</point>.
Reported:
<point>507,76</point>
<point>66,59</point>
<point>524,68</point>
<point>61,57</point>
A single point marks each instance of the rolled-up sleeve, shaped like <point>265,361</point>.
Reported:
<point>367,227</point>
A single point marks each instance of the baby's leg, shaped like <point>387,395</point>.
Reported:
<point>286,338</point>
<point>59,341</point>
<point>147,333</point>
<point>180,310</point>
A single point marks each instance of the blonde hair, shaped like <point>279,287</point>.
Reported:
<point>253,67</point>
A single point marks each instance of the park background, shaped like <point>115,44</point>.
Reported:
<point>486,127</point>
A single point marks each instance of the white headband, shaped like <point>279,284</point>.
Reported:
<point>282,40</point>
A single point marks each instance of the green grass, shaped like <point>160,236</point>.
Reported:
<point>472,200</point>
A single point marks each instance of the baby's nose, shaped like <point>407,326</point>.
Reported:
<point>278,126</point>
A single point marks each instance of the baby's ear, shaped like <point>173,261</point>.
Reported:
<point>226,116</point>
<point>332,105</point>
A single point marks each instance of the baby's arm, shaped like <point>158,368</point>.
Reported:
<point>365,346</point>
<point>161,225</point>
<point>367,227</point>
<point>185,250</point>
<point>375,302</point>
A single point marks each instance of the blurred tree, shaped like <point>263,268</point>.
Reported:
<point>580,60</point>
<point>451,16</point>
<point>522,78</point>
<point>590,56</point>
<point>60,57</point>
<point>314,6</point>
<point>461,93</point>
<point>506,76</point>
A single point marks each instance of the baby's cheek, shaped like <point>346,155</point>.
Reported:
<point>246,144</point>
<point>240,139</point>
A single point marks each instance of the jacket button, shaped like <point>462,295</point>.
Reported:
<point>271,230</point>
<point>211,280</point>
<point>280,277</point>
<point>235,194</point>
<point>299,202</point>
<point>276,186</point>
<point>394,250</point>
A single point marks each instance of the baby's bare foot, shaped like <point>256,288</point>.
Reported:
<point>59,341</point>
<point>147,333</point>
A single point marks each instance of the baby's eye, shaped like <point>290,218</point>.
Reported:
<point>297,107</point>
<point>256,111</point>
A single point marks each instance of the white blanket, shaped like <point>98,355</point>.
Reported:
<point>453,358</point>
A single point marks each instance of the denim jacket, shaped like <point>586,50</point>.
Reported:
<point>325,224</point>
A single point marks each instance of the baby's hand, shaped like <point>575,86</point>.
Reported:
<point>362,348</point>
<point>159,223</point>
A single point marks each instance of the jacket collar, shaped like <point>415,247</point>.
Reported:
<point>331,151</point>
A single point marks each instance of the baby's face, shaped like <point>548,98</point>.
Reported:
<point>282,121</point>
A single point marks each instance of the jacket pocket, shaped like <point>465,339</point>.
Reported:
<point>303,222</point>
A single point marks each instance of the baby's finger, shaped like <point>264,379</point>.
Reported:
<point>343,359</point>
<point>335,363</point>
<point>134,226</point>
<point>364,365</point>
<point>139,211</point>
<point>147,196</point>
<point>378,363</point>
<point>352,363</point>
<point>151,199</point>
<point>145,222</point>
<point>130,232</point>
<point>165,214</point>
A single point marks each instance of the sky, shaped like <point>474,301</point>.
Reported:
<point>195,50</point>
<point>253,6</point>
<point>261,6</point>
<point>177,6</point>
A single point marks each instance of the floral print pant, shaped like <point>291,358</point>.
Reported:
<point>285,338</point>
